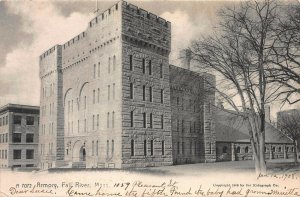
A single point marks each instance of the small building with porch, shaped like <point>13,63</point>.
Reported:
<point>233,141</point>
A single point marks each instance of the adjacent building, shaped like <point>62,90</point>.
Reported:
<point>110,99</point>
<point>19,136</point>
<point>233,140</point>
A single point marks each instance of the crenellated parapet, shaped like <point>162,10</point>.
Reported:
<point>145,30</point>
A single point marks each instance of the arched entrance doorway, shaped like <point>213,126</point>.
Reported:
<point>82,154</point>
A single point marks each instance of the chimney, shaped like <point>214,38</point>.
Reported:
<point>186,58</point>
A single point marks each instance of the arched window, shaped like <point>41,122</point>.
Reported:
<point>246,149</point>
<point>238,149</point>
<point>279,149</point>
<point>224,149</point>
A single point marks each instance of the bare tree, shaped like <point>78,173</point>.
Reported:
<point>288,122</point>
<point>238,54</point>
<point>285,68</point>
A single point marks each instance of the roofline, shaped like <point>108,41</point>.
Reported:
<point>8,107</point>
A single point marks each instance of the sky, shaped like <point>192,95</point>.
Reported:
<point>28,28</point>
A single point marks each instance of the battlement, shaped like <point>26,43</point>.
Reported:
<point>74,40</point>
<point>48,52</point>
<point>146,15</point>
<point>104,15</point>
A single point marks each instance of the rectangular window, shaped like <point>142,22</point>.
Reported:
<point>109,65</point>
<point>29,154</point>
<point>16,137</point>
<point>108,120</point>
<point>114,63</point>
<point>182,125</point>
<point>130,62</point>
<point>97,148</point>
<point>98,69</point>
<point>78,126</point>
<point>144,119</point>
<point>6,137</point>
<point>143,66</point>
<point>94,71</point>
<point>5,154</point>
<point>131,90</point>
<point>183,148</point>
<point>132,147</point>
<point>145,147</point>
<point>113,120</point>
<point>112,147</point>
<point>150,67</point>
<point>93,148</point>
<point>98,121</point>
<point>163,147</point>
<point>150,94</point>
<point>191,147</point>
<point>107,148</point>
<point>161,70</point>
<point>151,147</point>
<point>94,96</point>
<point>178,125</point>
<point>161,96</point>
<point>93,122</point>
<point>0,122</point>
<point>108,92</point>
<point>151,121</point>
<point>144,93</point>
<point>98,96</point>
<point>162,121</point>
<point>29,138</point>
<point>131,119</point>
<point>17,154</point>
<point>114,90</point>
<point>17,119</point>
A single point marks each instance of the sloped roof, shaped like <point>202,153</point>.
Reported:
<point>231,128</point>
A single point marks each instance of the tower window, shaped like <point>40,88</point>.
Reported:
<point>150,94</point>
<point>161,70</point>
<point>144,120</point>
<point>144,93</point>
<point>162,121</point>
<point>151,121</point>
<point>163,147</point>
<point>131,119</point>
<point>145,147</point>
<point>131,90</point>
<point>143,66</point>
<point>150,67</point>
<point>161,96</point>
<point>132,147</point>
<point>151,147</point>
<point>130,63</point>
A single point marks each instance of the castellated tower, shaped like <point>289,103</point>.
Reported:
<point>105,94</point>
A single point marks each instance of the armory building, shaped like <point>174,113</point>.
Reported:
<point>110,98</point>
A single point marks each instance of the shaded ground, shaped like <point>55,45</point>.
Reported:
<point>276,165</point>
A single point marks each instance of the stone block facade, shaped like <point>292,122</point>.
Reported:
<point>106,96</point>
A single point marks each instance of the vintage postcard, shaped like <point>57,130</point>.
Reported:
<point>149,98</point>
